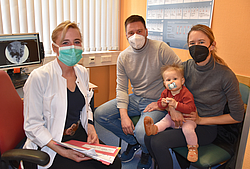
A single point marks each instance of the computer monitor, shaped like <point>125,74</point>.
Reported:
<point>20,50</point>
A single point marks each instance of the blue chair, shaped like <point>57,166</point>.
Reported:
<point>213,155</point>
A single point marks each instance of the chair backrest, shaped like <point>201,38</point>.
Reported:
<point>244,91</point>
<point>11,114</point>
<point>230,135</point>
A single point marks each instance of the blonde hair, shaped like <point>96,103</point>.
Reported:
<point>209,33</point>
<point>63,27</point>
<point>176,67</point>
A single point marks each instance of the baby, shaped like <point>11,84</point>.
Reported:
<point>176,97</point>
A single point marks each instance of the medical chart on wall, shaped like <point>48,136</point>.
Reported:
<point>171,20</point>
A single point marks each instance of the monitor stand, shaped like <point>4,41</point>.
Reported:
<point>18,79</point>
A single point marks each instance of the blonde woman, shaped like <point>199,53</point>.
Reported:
<point>56,104</point>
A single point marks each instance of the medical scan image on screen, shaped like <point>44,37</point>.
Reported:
<point>19,50</point>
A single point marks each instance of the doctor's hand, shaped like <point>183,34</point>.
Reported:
<point>92,136</point>
<point>76,156</point>
<point>67,153</point>
<point>151,107</point>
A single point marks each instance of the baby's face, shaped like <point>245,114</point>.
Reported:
<point>173,80</point>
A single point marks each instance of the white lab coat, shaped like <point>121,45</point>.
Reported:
<point>45,105</point>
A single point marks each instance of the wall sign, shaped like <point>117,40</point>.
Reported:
<point>171,20</point>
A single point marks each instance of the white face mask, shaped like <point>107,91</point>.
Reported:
<point>136,41</point>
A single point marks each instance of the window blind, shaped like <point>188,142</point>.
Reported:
<point>98,20</point>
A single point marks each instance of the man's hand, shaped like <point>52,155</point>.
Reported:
<point>151,107</point>
<point>126,123</point>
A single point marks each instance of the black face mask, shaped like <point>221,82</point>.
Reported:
<point>198,52</point>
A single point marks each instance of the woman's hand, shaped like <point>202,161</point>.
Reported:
<point>214,120</point>
<point>68,153</point>
<point>92,136</point>
<point>74,155</point>
<point>193,116</point>
<point>176,116</point>
<point>151,107</point>
<point>126,123</point>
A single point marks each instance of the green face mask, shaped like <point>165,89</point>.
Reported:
<point>70,55</point>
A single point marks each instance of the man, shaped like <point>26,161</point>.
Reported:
<point>140,63</point>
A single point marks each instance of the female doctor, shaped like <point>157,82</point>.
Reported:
<point>56,104</point>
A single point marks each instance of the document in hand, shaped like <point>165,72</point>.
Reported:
<point>104,153</point>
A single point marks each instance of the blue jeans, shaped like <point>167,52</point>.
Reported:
<point>108,116</point>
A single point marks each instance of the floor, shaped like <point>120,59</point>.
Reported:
<point>110,139</point>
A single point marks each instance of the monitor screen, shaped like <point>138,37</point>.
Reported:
<point>19,50</point>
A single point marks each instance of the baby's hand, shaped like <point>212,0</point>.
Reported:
<point>171,102</point>
<point>164,102</point>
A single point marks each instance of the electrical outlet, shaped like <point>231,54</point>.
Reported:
<point>91,59</point>
<point>106,58</point>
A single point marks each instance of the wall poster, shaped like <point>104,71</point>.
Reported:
<point>171,20</point>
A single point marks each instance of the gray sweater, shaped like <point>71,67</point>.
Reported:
<point>142,68</point>
<point>212,86</point>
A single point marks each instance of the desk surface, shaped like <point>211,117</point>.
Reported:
<point>92,86</point>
